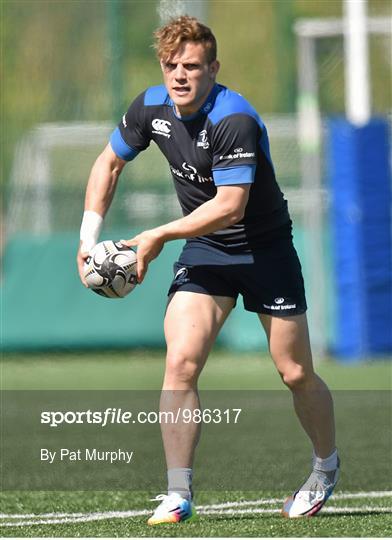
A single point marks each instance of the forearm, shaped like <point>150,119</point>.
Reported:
<point>99,194</point>
<point>207,218</point>
<point>101,186</point>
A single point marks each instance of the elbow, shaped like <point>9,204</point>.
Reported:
<point>108,161</point>
<point>234,215</point>
<point>232,202</point>
<point>116,168</point>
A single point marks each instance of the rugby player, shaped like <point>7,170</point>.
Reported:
<point>238,236</point>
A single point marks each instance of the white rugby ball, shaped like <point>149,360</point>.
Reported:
<point>110,269</point>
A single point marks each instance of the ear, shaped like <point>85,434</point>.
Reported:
<point>214,68</point>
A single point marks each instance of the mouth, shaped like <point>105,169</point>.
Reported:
<point>181,90</point>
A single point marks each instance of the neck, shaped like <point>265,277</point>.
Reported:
<point>188,110</point>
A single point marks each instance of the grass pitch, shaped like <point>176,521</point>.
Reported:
<point>349,513</point>
<point>115,514</point>
<point>143,370</point>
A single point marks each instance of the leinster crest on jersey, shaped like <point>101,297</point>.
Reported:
<point>202,140</point>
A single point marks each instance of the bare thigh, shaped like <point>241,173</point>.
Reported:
<point>192,323</point>
<point>288,340</point>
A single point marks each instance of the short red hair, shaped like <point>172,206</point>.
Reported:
<point>170,37</point>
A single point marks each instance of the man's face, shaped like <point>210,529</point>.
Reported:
<point>188,77</point>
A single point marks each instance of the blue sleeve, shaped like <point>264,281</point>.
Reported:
<point>121,148</point>
<point>133,135</point>
<point>228,176</point>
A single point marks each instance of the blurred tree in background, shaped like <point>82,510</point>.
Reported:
<point>57,58</point>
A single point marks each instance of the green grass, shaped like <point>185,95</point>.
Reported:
<point>358,524</point>
<point>356,418</point>
<point>143,370</point>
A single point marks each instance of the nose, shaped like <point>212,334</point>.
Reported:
<point>180,72</point>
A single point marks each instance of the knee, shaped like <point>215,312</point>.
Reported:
<point>296,377</point>
<point>181,368</point>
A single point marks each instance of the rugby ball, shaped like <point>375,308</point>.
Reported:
<point>110,269</point>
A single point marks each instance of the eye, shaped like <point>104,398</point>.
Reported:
<point>191,67</point>
<point>169,66</point>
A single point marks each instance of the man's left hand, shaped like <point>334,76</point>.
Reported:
<point>149,245</point>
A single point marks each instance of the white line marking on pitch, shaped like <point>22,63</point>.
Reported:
<point>228,508</point>
<point>336,497</point>
<point>231,512</point>
<point>97,516</point>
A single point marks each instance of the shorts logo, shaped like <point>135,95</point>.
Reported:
<point>180,272</point>
<point>181,275</point>
<point>281,305</point>
<point>161,127</point>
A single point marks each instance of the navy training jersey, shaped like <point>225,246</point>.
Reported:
<point>224,143</point>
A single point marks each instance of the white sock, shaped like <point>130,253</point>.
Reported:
<point>326,464</point>
<point>180,481</point>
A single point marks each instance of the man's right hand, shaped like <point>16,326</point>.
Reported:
<point>81,260</point>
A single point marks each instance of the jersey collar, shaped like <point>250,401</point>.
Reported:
<point>204,109</point>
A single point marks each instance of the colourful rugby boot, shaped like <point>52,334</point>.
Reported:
<point>173,509</point>
<point>312,496</point>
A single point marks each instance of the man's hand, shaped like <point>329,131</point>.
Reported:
<point>149,245</point>
<point>80,260</point>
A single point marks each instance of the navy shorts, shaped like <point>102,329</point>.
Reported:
<point>268,278</point>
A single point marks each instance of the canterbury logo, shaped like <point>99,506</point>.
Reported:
<point>161,127</point>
